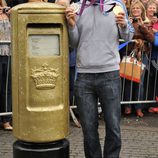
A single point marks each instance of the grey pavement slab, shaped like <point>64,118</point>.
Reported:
<point>139,138</point>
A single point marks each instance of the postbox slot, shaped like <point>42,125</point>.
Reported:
<point>46,25</point>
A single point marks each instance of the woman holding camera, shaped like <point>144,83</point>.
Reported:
<point>5,67</point>
<point>142,34</point>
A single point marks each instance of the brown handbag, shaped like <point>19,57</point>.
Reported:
<point>131,68</point>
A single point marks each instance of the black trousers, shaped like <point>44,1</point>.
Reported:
<point>5,87</point>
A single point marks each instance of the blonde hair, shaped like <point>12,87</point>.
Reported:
<point>143,14</point>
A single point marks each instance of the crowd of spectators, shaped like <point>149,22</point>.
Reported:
<point>144,17</point>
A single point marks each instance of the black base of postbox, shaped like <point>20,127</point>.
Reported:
<point>58,149</point>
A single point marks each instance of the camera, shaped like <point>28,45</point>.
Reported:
<point>135,20</point>
<point>6,9</point>
<point>155,14</point>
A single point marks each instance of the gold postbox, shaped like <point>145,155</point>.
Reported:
<point>39,72</point>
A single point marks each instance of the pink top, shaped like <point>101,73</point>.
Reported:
<point>155,26</point>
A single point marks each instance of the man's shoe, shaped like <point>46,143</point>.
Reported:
<point>7,126</point>
<point>153,110</point>
<point>128,111</point>
<point>139,113</point>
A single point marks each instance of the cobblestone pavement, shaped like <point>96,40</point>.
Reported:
<point>139,138</point>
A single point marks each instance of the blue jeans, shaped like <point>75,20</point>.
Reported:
<point>105,87</point>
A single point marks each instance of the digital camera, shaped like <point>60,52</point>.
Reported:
<point>135,20</point>
<point>155,14</point>
<point>6,9</point>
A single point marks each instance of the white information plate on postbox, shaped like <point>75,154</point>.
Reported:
<point>44,45</point>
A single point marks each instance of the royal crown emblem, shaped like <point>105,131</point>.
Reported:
<point>44,77</point>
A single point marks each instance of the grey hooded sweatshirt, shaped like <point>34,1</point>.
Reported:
<point>96,38</point>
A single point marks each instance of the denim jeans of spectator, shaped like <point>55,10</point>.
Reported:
<point>5,87</point>
<point>89,87</point>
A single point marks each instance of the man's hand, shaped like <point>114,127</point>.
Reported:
<point>65,3</point>
<point>120,20</point>
<point>70,16</point>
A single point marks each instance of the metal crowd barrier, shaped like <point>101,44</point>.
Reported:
<point>149,62</point>
<point>5,113</point>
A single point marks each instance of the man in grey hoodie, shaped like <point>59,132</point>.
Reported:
<point>95,31</point>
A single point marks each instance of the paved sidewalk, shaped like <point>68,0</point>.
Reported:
<point>139,138</point>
